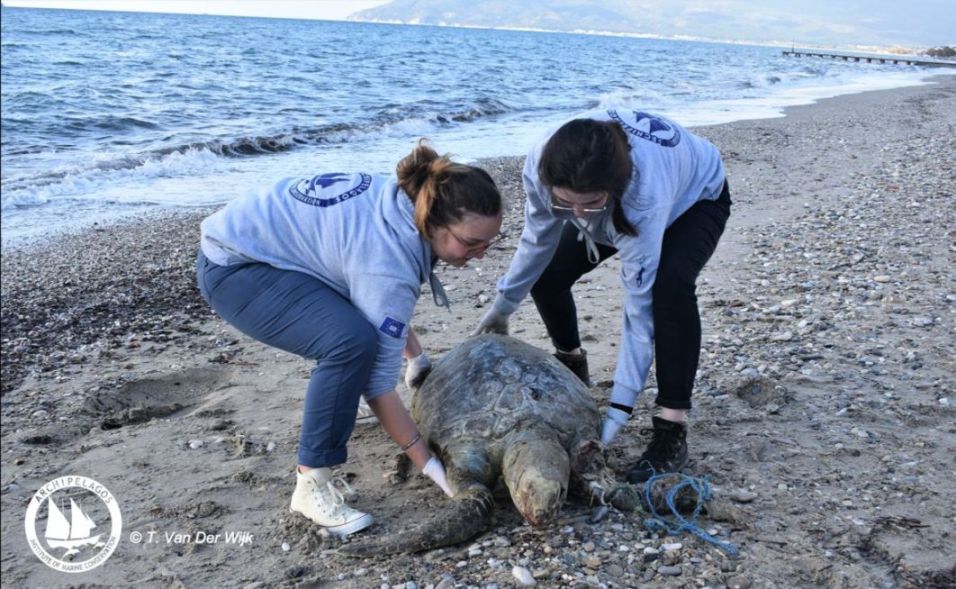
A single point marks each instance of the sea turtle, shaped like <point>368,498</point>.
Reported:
<point>493,407</point>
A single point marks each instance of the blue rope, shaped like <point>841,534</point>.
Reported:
<point>676,523</point>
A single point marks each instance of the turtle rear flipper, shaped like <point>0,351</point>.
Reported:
<point>463,518</point>
<point>470,474</point>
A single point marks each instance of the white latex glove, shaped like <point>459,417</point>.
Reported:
<point>492,322</point>
<point>613,421</point>
<point>416,371</point>
<point>435,470</point>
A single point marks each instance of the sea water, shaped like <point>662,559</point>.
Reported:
<point>108,114</point>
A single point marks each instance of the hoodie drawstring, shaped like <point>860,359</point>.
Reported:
<point>593,255</point>
<point>438,292</point>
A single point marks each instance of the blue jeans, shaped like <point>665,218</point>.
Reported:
<point>300,314</point>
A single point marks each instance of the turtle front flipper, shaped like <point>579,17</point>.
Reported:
<point>592,483</point>
<point>535,467</point>
<point>589,475</point>
<point>463,517</point>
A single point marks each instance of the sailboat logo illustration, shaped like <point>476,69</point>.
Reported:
<point>77,536</point>
<point>72,534</point>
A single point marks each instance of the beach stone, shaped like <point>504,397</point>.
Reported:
<point>781,337</point>
<point>501,542</point>
<point>447,582</point>
<point>523,576</point>
<point>671,558</point>
<point>743,496</point>
<point>670,571</point>
<point>219,425</point>
<point>738,582</point>
<point>614,571</point>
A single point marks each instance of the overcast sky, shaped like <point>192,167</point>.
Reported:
<point>859,22</point>
<point>320,9</point>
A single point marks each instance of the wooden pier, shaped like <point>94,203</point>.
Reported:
<point>900,60</point>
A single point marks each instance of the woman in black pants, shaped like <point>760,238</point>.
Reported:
<point>639,185</point>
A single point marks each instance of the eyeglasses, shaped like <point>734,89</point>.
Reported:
<point>592,207</point>
<point>473,246</point>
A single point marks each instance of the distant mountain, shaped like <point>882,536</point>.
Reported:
<point>849,22</point>
<point>569,15</point>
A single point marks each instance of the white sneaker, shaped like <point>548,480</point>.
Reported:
<point>317,498</point>
<point>365,413</point>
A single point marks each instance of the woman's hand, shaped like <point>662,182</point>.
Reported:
<point>435,470</point>
<point>418,365</point>
<point>614,420</point>
<point>417,370</point>
<point>492,322</point>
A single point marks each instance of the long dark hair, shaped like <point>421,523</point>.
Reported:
<point>444,191</point>
<point>586,155</point>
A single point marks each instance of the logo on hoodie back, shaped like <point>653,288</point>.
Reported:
<point>326,190</point>
<point>647,126</point>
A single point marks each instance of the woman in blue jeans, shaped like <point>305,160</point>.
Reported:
<point>330,268</point>
<point>639,185</point>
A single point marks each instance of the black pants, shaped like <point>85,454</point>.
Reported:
<point>688,244</point>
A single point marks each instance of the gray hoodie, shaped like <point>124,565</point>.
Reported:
<point>353,232</point>
<point>674,169</point>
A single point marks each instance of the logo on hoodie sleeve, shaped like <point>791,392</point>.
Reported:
<point>392,327</point>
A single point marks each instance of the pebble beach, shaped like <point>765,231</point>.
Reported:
<point>823,417</point>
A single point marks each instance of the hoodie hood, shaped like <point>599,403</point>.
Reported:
<point>399,213</point>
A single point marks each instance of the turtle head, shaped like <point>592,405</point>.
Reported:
<point>538,499</point>
<point>535,468</point>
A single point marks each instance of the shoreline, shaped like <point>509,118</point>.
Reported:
<point>823,406</point>
<point>808,97</point>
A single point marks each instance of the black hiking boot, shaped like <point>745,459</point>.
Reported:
<point>667,452</point>
<point>576,363</point>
